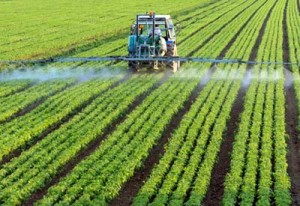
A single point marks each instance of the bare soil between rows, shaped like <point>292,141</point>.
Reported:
<point>216,189</point>
<point>93,145</point>
<point>133,185</point>
<point>293,141</point>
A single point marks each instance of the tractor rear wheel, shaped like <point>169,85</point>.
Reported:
<point>133,66</point>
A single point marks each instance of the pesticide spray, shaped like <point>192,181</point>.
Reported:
<point>44,74</point>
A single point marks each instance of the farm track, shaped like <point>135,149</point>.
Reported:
<point>291,117</point>
<point>133,185</point>
<point>92,146</point>
<point>55,126</point>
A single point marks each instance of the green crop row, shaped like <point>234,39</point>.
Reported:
<point>55,150</point>
<point>10,87</point>
<point>98,178</point>
<point>12,104</point>
<point>179,141</point>
<point>24,129</point>
<point>49,29</point>
<point>253,175</point>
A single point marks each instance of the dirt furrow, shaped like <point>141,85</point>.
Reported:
<point>216,189</point>
<point>207,24</point>
<point>224,51</point>
<point>92,146</point>
<point>218,31</point>
<point>55,126</point>
<point>291,120</point>
<point>33,105</point>
<point>133,185</point>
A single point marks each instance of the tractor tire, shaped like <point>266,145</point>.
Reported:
<point>133,66</point>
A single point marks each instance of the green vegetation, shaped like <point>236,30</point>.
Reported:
<point>93,134</point>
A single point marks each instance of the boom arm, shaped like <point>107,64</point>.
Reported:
<point>149,59</point>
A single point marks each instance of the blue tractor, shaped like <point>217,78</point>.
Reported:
<point>152,36</point>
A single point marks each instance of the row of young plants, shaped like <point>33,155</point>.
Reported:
<point>255,168</point>
<point>241,48</point>
<point>202,36</point>
<point>171,190</point>
<point>293,20</point>
<point>234,178</point>
<point>119,46</point>
<point>12,104</point>
<point>46,36</point>
<point>38,165</point>
<point>98,178</point>
<point>173,176</point>
<point>252,152</point>
<point>11,87</point>
<point>23,130</point>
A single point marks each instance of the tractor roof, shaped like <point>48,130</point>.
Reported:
<point>157,16</point>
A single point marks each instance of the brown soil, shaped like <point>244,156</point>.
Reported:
<point>133,185</point>
<point>53,127</point>
<point>291,120</point>
<point>200,28</point>
<point>293,156</point>
<point>20,90</point>
<point>33,105</point>
<point>217,31</point>
<point>260,36</point>
<point>230,43</point>
<point>216,189</point>
<point>92,146</point>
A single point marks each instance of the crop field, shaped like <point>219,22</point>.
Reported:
<point>91,133</point>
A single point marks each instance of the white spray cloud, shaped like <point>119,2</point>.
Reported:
<point>43,74</point>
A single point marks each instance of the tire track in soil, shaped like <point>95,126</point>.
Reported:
<point>92,146</point>
<point>291,119</point>
<point>216,189</point>
<point>55,126</point>
<point>133,185</point>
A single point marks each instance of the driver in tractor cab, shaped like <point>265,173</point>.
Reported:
<point>160,42</point>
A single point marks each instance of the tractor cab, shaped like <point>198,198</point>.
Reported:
<point>152,36</point>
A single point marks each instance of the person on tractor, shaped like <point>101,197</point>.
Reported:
<point>160,42</point>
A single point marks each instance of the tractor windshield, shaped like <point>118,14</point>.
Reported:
<point>146,26</point>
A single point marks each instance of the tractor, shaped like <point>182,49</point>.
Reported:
<point>152,36</point>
